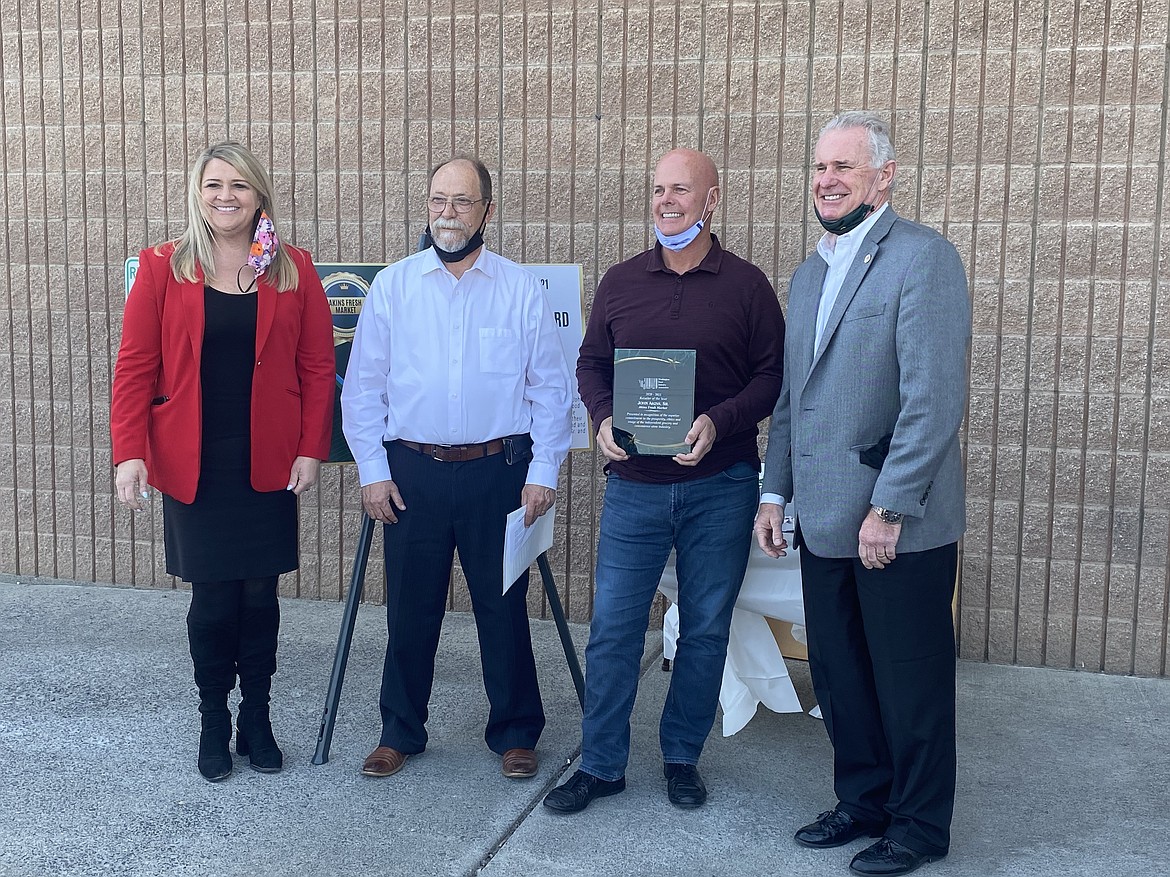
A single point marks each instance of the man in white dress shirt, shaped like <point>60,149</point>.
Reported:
<point>456,407</point>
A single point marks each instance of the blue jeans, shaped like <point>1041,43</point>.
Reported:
<point>709,524</point>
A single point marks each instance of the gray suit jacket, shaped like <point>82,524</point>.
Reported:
<point>892,364</point>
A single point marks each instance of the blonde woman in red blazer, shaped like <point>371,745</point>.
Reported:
<point>223,400</point>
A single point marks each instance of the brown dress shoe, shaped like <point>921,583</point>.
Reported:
<point>519,763</point>
<point>383,762</point>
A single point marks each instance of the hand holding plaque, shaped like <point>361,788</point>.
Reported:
<point>653,400</point>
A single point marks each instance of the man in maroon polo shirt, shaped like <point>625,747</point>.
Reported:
<point>687,292</point>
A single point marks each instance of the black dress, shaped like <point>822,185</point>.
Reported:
<point>230,531</point>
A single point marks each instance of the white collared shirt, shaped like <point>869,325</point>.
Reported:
<point>449,361</point>
<point>838,254</point>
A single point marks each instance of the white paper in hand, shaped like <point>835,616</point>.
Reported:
<point>522,545</point>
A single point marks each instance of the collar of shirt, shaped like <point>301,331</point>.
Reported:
<point>710,263</point>
<point>845,246</point>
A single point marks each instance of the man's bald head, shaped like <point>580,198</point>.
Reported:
<point>698,165</point>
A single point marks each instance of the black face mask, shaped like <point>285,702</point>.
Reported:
<point>473,243</point>
<point>846,223</point>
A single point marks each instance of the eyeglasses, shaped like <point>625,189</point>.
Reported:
<point>461,204</point>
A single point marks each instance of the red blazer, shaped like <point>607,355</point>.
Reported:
<point>156,404</point>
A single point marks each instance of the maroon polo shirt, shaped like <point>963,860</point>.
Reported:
<point>726,310</point>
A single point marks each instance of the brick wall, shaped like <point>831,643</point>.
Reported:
<point>1033,134</point>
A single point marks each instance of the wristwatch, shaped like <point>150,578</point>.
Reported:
<point>888,516</point>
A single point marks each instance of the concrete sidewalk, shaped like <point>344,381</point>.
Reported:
<point>1059,772</point>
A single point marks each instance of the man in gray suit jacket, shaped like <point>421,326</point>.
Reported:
<point>865,439</point>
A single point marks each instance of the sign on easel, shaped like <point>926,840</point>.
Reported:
<point>563,288</point>
<point>346,287</point>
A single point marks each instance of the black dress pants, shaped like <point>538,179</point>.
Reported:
<point>449,506</point>
<point>881,649</point>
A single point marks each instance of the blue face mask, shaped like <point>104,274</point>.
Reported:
<point>683,239</point>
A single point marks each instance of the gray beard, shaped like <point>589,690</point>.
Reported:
<point>451,239</point>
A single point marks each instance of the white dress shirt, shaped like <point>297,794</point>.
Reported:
<point>838,251</point>
<point>449,361</point>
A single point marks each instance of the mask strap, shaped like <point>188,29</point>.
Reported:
<point>487,206</point>
<point>240,286</point>
<point>873,186</point>
<point>706,215</point>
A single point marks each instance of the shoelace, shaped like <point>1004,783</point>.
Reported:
<point>580,779</point>
<point>883,847</point>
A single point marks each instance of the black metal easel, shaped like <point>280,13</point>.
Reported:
<point>349,618</point>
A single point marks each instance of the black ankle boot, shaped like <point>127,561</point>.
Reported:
<point>215,756</point>
<point>254,739</point>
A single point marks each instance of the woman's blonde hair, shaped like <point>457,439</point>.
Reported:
<point>195,249</point>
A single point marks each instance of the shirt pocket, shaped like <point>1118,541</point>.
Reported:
<point>499,352</point>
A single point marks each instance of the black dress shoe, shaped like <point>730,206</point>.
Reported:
<point>888,857</point>
<point>684,786</point>
<point>835,828</point>
<point>580,790</point>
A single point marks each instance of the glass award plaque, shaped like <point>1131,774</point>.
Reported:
<point>653,400</point>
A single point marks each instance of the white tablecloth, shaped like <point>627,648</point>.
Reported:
<point>755,672</point>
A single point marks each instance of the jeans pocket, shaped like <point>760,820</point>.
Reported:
<point>740,472</point>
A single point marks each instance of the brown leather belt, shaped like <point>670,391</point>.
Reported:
<point>455,453</point>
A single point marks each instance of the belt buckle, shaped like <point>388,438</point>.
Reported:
<point>439,453</point>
